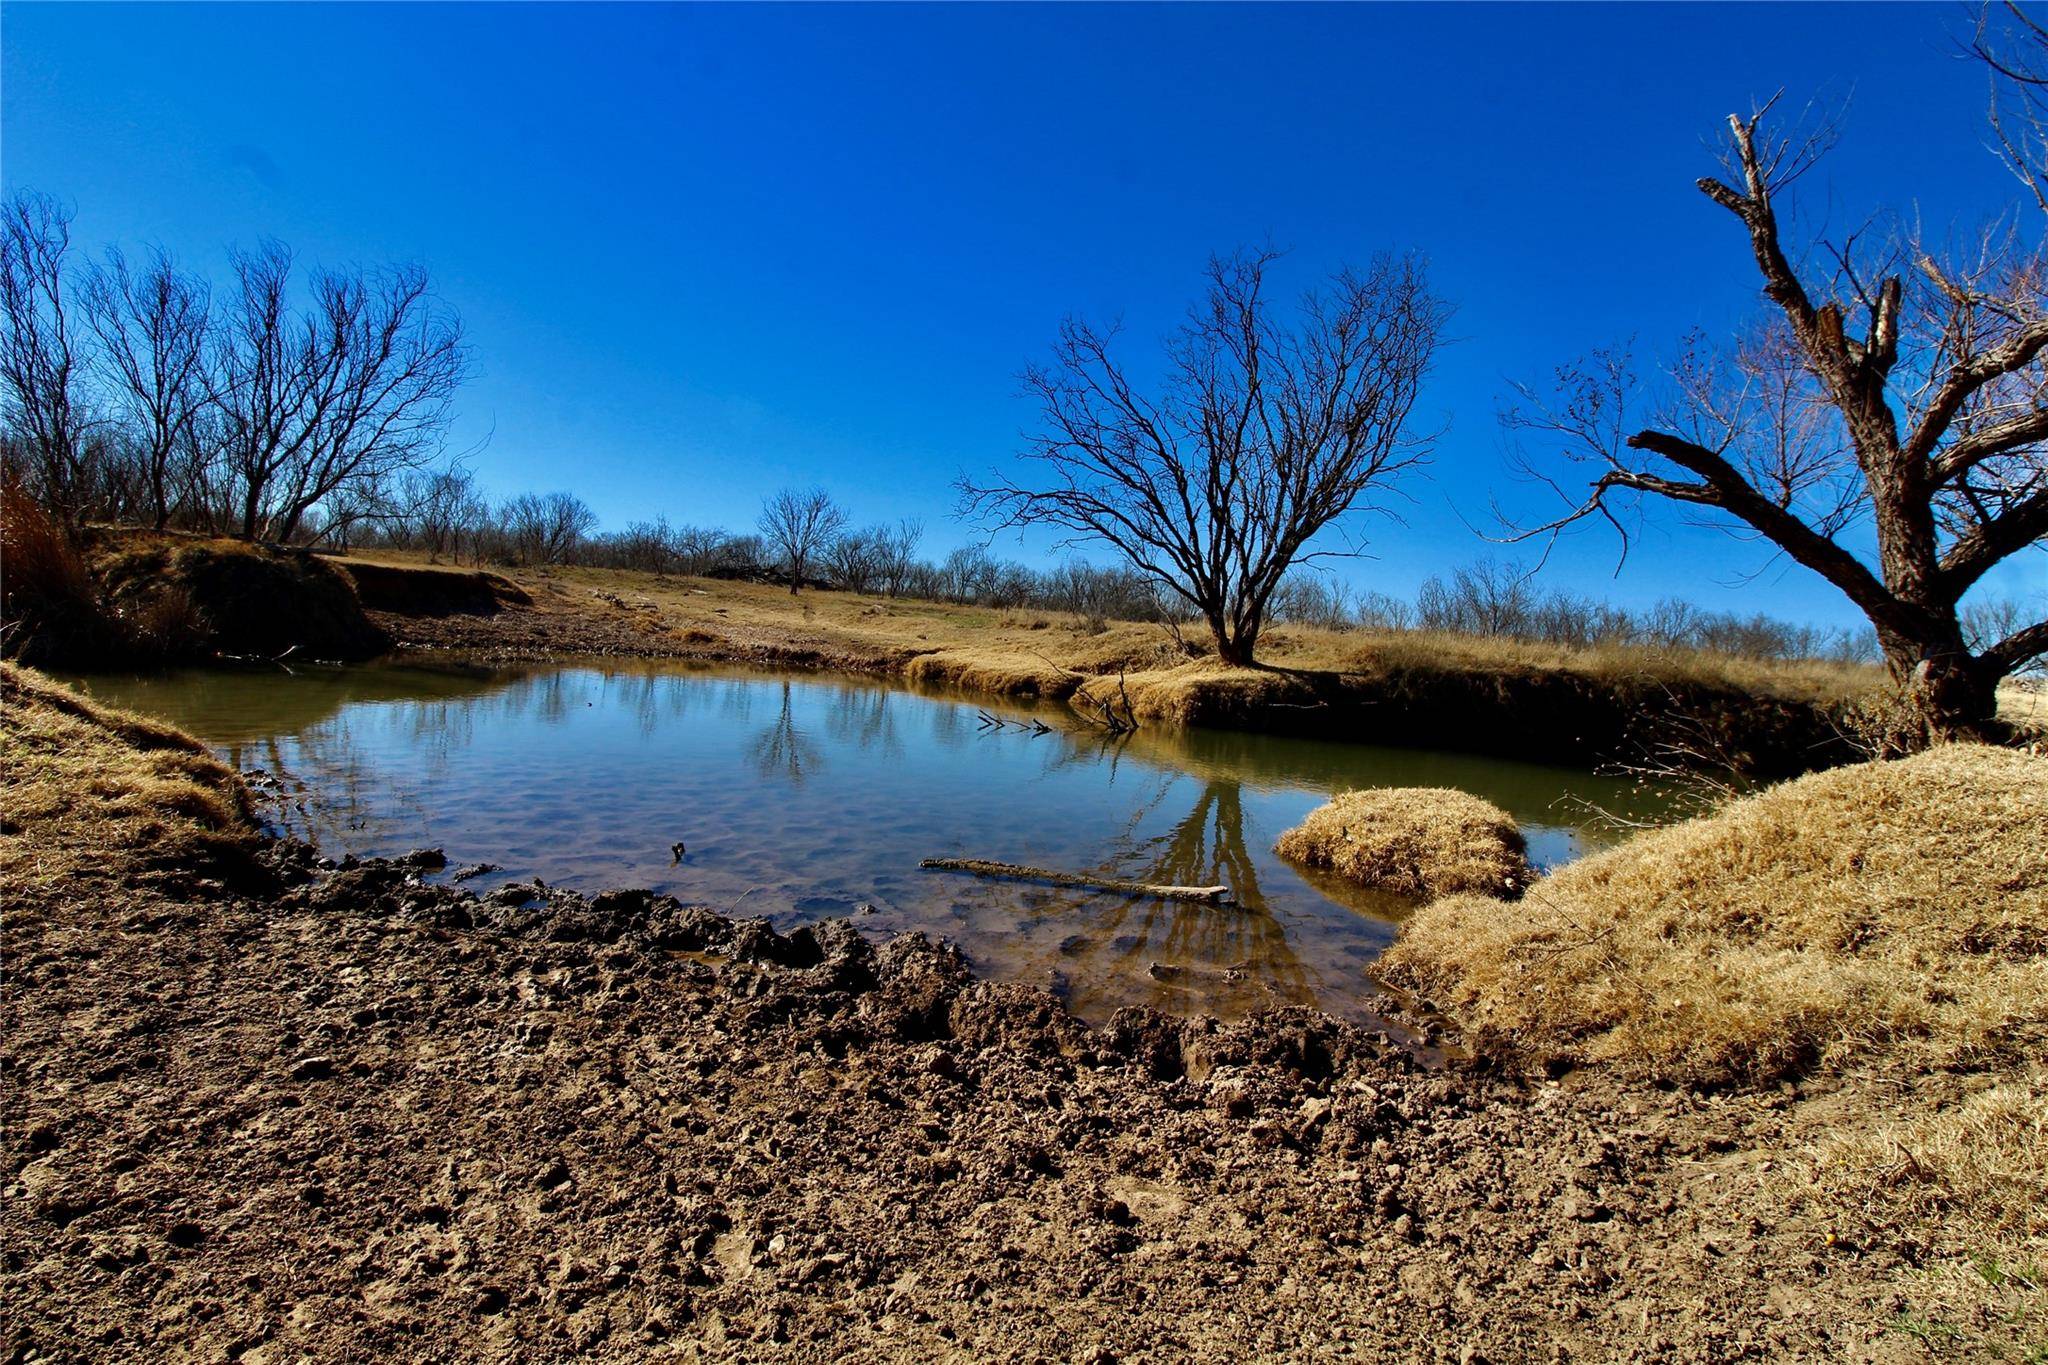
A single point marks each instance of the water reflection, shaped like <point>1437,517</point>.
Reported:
<point>812,797</point>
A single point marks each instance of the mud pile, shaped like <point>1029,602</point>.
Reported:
<point>376,1117</point>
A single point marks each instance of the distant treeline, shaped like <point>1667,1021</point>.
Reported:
<point>1499,600</point>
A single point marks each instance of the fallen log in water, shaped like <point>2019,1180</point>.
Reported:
<point>1207,895</point>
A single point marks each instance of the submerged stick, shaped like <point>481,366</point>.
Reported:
<point>1207,895</point>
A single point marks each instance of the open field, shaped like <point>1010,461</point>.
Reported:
<point>350,1114</point>
<point>1413,688</point>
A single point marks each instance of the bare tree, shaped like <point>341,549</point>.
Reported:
<point>354,390</point>
<point>386,363</point>
<point>648,546</point>
<point>798,525</point>
<point>441,506</point>
<point>46,426</point>
<point>697,549</point>
<point>545,528</point>
<point>1905,391</point>
<point>897,555</point>
<point>261,385</point>
<point>151,327</point>
<point>855,559</point>
<point>1263,433</point>
<point>2013,49</point>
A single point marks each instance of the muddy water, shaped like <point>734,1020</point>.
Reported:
<point>803,797</point>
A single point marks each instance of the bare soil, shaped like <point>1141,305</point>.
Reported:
<point>358,1117</point>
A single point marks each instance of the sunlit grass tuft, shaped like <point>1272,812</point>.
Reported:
<point>90,794</point>
<point>1413,841</point>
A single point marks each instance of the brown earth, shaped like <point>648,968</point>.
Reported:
<point>372,1119</point>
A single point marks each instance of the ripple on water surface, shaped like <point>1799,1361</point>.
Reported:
<point>810,797</point>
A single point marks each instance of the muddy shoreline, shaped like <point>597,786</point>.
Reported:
<point>352,1115</point>
<point>260,1107</point>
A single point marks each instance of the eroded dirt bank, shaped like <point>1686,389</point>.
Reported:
<point>370,1119</point>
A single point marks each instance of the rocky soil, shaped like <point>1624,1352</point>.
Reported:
<point>360,1117</point>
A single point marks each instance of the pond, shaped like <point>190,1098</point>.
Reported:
<point>802,797</point>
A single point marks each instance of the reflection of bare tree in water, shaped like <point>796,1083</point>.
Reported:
<point>734,699</point>
<point>862,715</point>
<point>1205,847</point>
<point>1183,949</point>
<point>327,791</point>
<point>782,750</point>
<point>551,697</point>
<point>656,696</point>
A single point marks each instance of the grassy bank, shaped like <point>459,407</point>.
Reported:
<point>93,797</point>
<point>1878,934</point>
<point>1408,688</point>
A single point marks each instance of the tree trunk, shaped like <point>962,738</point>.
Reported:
<point>1230,649</point>
<point>1235,650</point>
<point>251,506</point>
<point>1951,695</point>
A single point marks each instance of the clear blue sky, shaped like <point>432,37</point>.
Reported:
<point>706,251</point>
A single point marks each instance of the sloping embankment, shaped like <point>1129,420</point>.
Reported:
<point>410,591</point>
<point>1882,929</point>
<point>1550,715</point>
<point>173,596</point>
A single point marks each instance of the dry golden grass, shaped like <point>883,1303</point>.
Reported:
<point>1886,923</point>
<point>89,792</point>
<point>1413,841</point>
<point>49,607</point>
<point>1889,915</point>
<point>2023,704</point>
<point>1983,1157</point>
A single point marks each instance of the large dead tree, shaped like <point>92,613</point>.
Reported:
<point>1882,426</point>
<point>346,394</point>
<point>1264,431</point>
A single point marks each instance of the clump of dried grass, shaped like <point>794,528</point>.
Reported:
<point>1890,914</point>
<point>993,672</point>
<point>1413,841</point>
<point>92,793</point>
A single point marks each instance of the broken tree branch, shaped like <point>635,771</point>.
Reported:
<point>1207,895</point>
